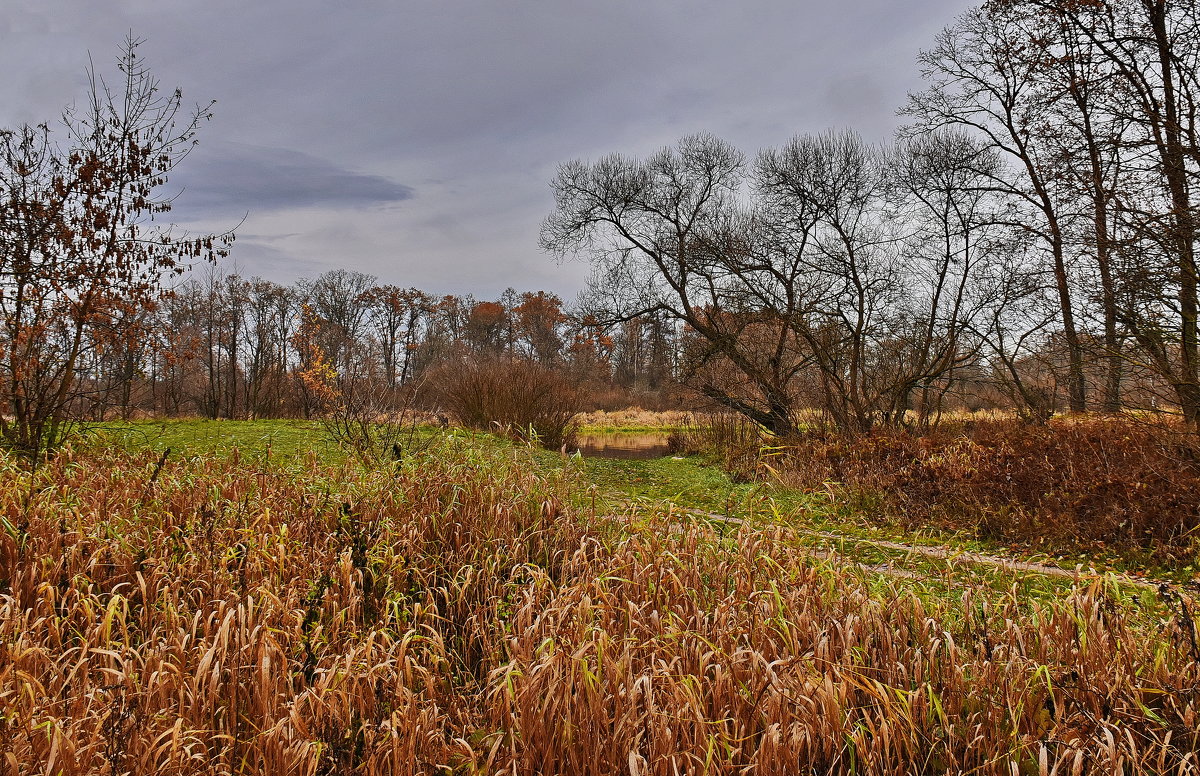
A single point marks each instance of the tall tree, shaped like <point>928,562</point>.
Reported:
<point>396,315</point>
<point>940,188</point>
<point>658,232</point>
<point>269,310</point>
<point>539,319</point>
<point>985,75</point>
<point>1151,51</point>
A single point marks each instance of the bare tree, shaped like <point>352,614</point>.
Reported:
<point>828,198</point>
<point>834,275</point>
<point>660,233</point>
<point>986,77</point>
<point>1150,52</point>
<point>1091,161</point>
<point>269,311</point>
<point>941,187</point>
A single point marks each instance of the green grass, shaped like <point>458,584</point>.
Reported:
<point>688,482</point>
<point>279,441</point>
<point>609,428</point>
<point>692,485</point>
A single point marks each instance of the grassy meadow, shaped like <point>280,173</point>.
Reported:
<point>256,601</point>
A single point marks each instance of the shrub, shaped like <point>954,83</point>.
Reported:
<point>375,424</point>
<point>520,398</point>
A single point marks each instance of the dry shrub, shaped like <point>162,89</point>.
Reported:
<point>517,397</point>
<point>454,616</point>
<point>376,424</point>
<point>1070,484</point>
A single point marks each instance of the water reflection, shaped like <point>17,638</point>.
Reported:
<point>623,445</point>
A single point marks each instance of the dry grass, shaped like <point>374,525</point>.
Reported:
<point>732,441</point>
<point>451,615</point>
<point>1074,484</point>
<point>633,418</point>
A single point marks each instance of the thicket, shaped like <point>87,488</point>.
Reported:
<point>523,399</point>
<point>1093,484</point>
<point>453,614</point>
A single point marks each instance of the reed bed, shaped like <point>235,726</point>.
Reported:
<point>634,418</point>
<point>454,615</point>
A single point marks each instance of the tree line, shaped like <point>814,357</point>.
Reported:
<point>223,346</point>
<point>1027,241</point>
<point>99,318</point>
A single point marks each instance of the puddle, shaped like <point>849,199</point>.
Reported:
<point>627,445</point>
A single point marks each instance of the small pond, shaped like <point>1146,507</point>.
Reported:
<point>624,445</point>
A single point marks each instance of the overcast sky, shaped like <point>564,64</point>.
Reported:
<point>415,139</point>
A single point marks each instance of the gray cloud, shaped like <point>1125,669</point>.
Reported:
<point>257,255</point>
<point>234,178</point>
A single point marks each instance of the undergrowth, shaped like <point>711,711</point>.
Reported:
<point>1103,485</point>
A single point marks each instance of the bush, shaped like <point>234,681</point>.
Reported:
<point>1071,484</point>
<point>520,398</point>
<point>375,424</point>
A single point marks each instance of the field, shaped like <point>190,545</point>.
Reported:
<point>254,601</point>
